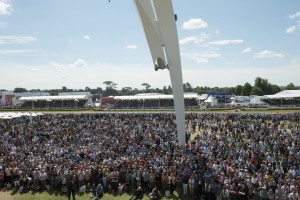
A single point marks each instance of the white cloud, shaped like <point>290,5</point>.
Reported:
<point>247,50</point>
<point>295,60</point>
<point>268,54</point>
<point>202,57</point>
<point>16,51</point>
<point>223,75</point>
<point>225,42</point>
<point>34,69</point>
<point>194,39</point>
<point>101,71</point>
<point>295,15</point>
<point>86,37</point>
<point>132,46</point>
<point>187,40</point>
<point>2,24</point>
<point>80,63</point>
<point>217,32</point>
<point>5,7</point>
<point>77,63</point>
<point>193,24</point>
<point>16,39</point>
<point>291,29</point>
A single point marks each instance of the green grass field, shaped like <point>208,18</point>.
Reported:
<point>15,195</point>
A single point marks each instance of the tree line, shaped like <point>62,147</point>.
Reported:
<point>261,87</point>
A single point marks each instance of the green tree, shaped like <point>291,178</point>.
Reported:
<point>256,91</point>
<point>165,90</point>
<point>126,90</point>
<point>147,86</point>
<point>231,90</point>
<point>275,89</point>
<point>200,90</point>
<point>264,85</point>
<point>157,90</point>
<point>87,89</point>
<point>258,82</point>
<point>64,89</point>
<point>110,89</point>
<point>187,87</point>
<point>110,92</point>
<point>238,90</point>
<point>169,90</point>
<point>246,89</point>
<point>19,90</point>
<point>35,90</point>
<point>290,86</point>
<point>110,84</point>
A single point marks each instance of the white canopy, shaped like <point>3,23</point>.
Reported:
<point>10,115</point>
<point>52,98</point>
<point>154,96</point>
<point>256,100</point>
<point>284,94</point>
<point>213,101</point>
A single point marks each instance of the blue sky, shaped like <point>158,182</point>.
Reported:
<point>47,44</point>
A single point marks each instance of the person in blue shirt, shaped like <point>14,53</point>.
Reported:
<point>99,191</point>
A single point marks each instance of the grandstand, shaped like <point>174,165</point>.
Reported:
<point>56,102</point>
<point>285,98</point>
<point>221,96</point>
<point>149,101</point>
<point>247,101</point>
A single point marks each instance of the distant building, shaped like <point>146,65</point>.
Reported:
<point>6,98</point>
<point>221,96</point>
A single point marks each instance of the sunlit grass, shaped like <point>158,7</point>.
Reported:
<point>31,195</point>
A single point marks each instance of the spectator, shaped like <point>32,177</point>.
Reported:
<point>71,189</point>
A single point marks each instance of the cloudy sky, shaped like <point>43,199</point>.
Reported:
<point>47,44</point>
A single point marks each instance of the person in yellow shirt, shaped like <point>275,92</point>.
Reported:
<point>267,177</point>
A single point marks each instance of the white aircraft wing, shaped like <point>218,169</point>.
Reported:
<point>161,34</point>
<point>151,29</point>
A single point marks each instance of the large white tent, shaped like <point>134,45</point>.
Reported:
<point>53,98</point>
<point>284,94</point>
<point>154,96</point>
<point>211,101</point>
<point>290,98</point>
<point>10,115</point>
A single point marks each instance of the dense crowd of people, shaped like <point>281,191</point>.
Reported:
<point>226,156</point>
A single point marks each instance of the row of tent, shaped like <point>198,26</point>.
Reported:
<point>10,115</point>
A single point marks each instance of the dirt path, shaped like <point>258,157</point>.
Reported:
<point>5,195</point>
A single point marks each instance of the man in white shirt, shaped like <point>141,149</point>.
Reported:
<point>293,195</point>
<point>43,178</point>
<point>8,175</point>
